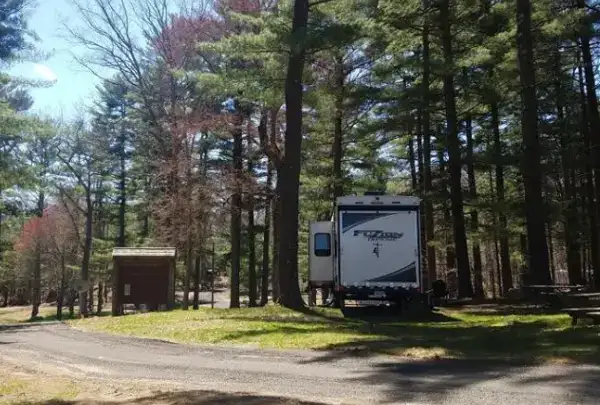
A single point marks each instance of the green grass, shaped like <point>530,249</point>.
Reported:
<point>450,333</point>
<point>12,315</point>
<point>24,388</point>
<point>471,332</point>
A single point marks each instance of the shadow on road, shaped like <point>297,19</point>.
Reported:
<point>185,398</point>
<point>438,380</point>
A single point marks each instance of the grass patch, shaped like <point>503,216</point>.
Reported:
<point>23,388</point>
<point>450,334</point>
<point>22,314</point>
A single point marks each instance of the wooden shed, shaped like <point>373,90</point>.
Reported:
<point>143,276</point>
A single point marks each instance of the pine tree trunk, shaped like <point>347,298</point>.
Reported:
<point>477,264</point>
<point>450,256</point>
<point>535,213</point>
<point>197,281</point>
<point>87,252</point>
<point>264,280</point>
<point>412,164</point>
<point>251,249</point>
<point>72,298</point>
<point>593,116</point>
<point>36,298</point>
<point>276,207</point>
<point>37,265</point>
<point>465,288</point>
<point>421,186</point>
<point>264,285</point>
<point>495,272</point>
<point>122,189</point>
<point>589,177</point>
<point>100,297</point>
<point>427,175</point>
<point>91,298</point>
<point>145,231</point>
<point>571,223</point>
<point>551,253</point>
<point>62,288</point>
<point>236,212</point>
<point>290,170</point>
<point>506,273</point>
<point>337,147</point>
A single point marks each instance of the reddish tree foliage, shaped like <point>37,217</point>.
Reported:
<point>52,230</point>
<point>178,43</point>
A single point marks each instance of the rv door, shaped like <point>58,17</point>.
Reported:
<point>320,254</point>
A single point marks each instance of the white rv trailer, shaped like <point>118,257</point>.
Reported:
<point>370,250</point>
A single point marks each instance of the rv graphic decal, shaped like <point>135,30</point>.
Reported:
<point>351,220</point>
<point>407,274</point>
<point>376,249</point>
<point>372,235</point>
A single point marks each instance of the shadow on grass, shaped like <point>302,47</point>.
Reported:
<point>444,337</point>
<point>186,398</point>
<point>516,309</point>
<point>65,317</point>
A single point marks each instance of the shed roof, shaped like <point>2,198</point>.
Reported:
<point>144,252</point>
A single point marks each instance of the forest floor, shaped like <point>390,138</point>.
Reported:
<point>469,332</point>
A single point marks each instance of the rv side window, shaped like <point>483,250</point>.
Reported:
<point>322,244</point>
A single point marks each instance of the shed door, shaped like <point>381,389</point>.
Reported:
<point>145,282</point>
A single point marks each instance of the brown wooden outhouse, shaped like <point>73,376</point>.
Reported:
<point>143,276</point>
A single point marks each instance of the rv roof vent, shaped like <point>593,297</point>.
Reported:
<point>373,193</point>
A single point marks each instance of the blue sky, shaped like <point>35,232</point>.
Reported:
<point>73,87</point>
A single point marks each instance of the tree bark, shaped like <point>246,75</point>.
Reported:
<point>122,189</point>
<point>275,217</point>
<point>593,116</point>
<point>592,212</point>
<point>571,222</point>
<point>338,136</point>
<point>87,251</point>
<point>412,164</point>
<point>264,285</point>
<point>465,288</point>
<point>91,298</point>
<point>422,222</point>
<point>100,297</point>
<point>197,281</point>
<point>290,170</point>
<point>535,213</point>
<point>252,290</point>
<point>477,264</point>
<point>450,256</point>
<point>62,288</point>
<point>427,175</point>
<point>236,210</point>
<point>506,272</point>
<point>37,266</point>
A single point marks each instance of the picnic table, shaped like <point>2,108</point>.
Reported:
<point>590,312</point>
<point>559,288</point>
<point>552,295</point>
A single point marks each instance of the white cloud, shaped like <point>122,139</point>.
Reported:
<point>44,72</point>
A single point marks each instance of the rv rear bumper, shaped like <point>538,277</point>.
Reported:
<point>378,293</point>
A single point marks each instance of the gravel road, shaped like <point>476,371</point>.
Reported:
<point>336,378</point>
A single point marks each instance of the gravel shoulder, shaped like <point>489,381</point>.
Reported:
<point>324,377</point>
